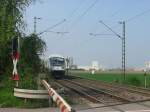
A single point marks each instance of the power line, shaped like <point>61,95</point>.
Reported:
<point>108,18</point>
<point>85,12</point>
<point>76,9</point>
<point>71,14</point>
<point>115,13</point>
<point>138,15</point>
<point>58,32</point>
<point>97,34</point>
<point>132,18</point>
<point>110,29</point>
<point>52,27</point>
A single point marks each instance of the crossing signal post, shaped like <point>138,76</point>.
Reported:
<point>15,57</point>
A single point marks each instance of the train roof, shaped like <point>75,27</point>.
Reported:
<point>56,55</point>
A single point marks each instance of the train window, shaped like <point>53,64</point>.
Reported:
<point>55,61</point>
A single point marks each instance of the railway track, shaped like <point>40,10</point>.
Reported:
<point>131,94</point>
<point>93,94</point>
<point>107,94</point>
<point>134,88</point>
<point>141,90</point>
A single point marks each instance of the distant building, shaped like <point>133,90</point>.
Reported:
<point>87,68</point>
<point>138,69</point>
<point>147,66</point>
<point>95,65</point>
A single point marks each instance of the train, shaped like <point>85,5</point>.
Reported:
<point>57,66</point>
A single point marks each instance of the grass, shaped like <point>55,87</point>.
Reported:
<point>7,99</point>
<point>6,94</point>
<point>132,78</point>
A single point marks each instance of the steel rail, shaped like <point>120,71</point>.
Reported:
<point>86,95</point>
<point>140,90</point>
<point>125,87</point>
<point>103,91</point>
<point>111,84</point>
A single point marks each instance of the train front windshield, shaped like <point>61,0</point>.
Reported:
<point>56,61</point>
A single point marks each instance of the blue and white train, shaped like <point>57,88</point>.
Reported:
<point>57,65</point>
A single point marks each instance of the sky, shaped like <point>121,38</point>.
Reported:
<point>82,17</point>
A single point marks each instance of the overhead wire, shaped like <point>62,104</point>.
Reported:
<point>46,30</point>
<point>76,9</point>
<point>96,26</point>
<point>130,19</point>
<point>68,19</point>
<point>80,16</point>
<point>138,15</point>
<point>115,13</point>
<point>84,13</point>
<point>107,19</point>
<point>135,16</point>
<point>58,32</point>
<point>87,10</point>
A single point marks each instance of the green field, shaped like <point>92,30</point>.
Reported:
<point>132,78</point>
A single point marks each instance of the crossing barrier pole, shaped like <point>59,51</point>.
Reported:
<point>61,103</point>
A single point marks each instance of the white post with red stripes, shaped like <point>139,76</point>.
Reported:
<point>61,103</point>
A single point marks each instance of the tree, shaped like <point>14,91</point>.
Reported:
<point>11,24</point>
<point>32,47</point>
<point>30,63</point>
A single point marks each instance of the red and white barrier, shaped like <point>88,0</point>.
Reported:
<point>61,103</point>
<point>15,73</point>
<point>15,57</point>
<point>15,61</point>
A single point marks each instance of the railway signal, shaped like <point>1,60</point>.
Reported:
<point>15,57</point>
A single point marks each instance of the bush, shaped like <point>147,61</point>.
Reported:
<point>28,81</point>
<point>116,80</point>
<point>134,81</point>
